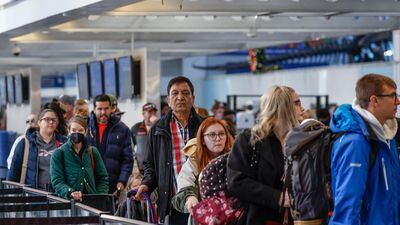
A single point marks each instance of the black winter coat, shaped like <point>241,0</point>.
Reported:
<point>116,149</point>
<point>158,161</point>
<point>256,178</point>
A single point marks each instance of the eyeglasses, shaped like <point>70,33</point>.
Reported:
<point>30,121</point>
<point>213,136</point>
<point>392,95</point>
<point>48,120</point>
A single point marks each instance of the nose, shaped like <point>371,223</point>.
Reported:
<point>397,101</point>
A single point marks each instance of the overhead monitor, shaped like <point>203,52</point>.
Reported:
<point>110,77</point>
<point>125,70</point>
<point>10,90</point>
<point>82,73</point>
<point>96,79</point>
<point>21,85</point>
<point>3,90</point>
<point>137,73</point>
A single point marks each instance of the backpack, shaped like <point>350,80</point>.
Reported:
<point>307,170</point>
<point>216,206</point>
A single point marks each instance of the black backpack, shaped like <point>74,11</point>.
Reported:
<point>307,170</point>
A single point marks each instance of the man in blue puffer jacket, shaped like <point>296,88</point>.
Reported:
<point>366,189</point>
<point>113,140</point>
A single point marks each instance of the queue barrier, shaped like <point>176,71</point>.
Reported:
<point>20,204</point>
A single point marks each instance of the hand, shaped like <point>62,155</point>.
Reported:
<point>77,195</point>
<point>120,186</point>
<point>191,201</point>
<point>142,188</point>
<point>286,204</point>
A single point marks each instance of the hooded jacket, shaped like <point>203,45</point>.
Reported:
<point>363,195</point>
<point>115,150</point>
<point>31,178</point>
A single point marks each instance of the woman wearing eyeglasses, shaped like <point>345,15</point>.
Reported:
<point>41,145</point>
<point>212,140</point>
<point>256,163</point>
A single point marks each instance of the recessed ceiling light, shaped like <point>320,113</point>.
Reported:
<point>332,0</point>
<point>263,0</point>
<point>295,0</point>
<point>45,32</point>
<point>150,18</point>
<point>180,18</point>
<point>228,0</point>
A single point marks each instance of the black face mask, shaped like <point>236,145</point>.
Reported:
<point>77,137</point>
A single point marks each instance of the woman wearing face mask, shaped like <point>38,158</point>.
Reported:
<point>212,140</point>
<point>77,168</point>
<point>42,143</point>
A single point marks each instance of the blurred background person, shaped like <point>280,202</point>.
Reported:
<point>76,168</point>
<point>81,108</point>
<point>31,123</point>
<point>60,113</point>
<point>67,103</point>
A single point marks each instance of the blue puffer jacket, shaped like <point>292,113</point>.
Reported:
<point>359,197</point>
<point>14,174</point>
<point>115,150</point>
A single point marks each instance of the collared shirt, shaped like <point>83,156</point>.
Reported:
<point>180,135</point>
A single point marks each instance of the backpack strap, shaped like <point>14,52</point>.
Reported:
<point>24,161</point>
<point>91,157</point>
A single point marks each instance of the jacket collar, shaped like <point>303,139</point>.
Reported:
<point>193,123</point>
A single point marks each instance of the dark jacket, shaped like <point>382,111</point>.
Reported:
<point>72,172</point>
<point>14,174</point>
<point>255,178</point>
<point>158,162</point>
<point>115,150</point>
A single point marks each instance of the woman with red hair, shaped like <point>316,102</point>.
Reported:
<point>212,140</point>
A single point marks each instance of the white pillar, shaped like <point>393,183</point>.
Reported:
<point>396,56</point>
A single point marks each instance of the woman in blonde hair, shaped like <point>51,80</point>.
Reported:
<point>256,163</point>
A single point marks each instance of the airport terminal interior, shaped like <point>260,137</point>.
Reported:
<point>233,51</point>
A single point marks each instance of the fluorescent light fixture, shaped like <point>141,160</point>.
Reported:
<point>295,18</point>
<point>150,18</point>
<point>237,18</point>
<point>180,18</point>
<point>266,18</point>
<point>209,18</point>
<point>93,17</point>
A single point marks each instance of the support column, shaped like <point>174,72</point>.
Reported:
<point>16,114</point>
<point>152,79</point>
<point>396,56</point>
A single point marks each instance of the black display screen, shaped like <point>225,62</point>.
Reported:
<point>10,90</point>
<point>96,79</point>
<point>82,73</point>
<point>125,77</point>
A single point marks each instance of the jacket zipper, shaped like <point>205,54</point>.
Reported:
<point>384,174</point>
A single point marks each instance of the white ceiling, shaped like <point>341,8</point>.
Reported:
<point>200,27</point>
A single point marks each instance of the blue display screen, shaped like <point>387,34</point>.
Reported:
<point>110,77</point>
<point>83,81</point>
<point>3,90</point>
<point>96,79</point>
<point>125,77</point>
<point>10,89</point>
